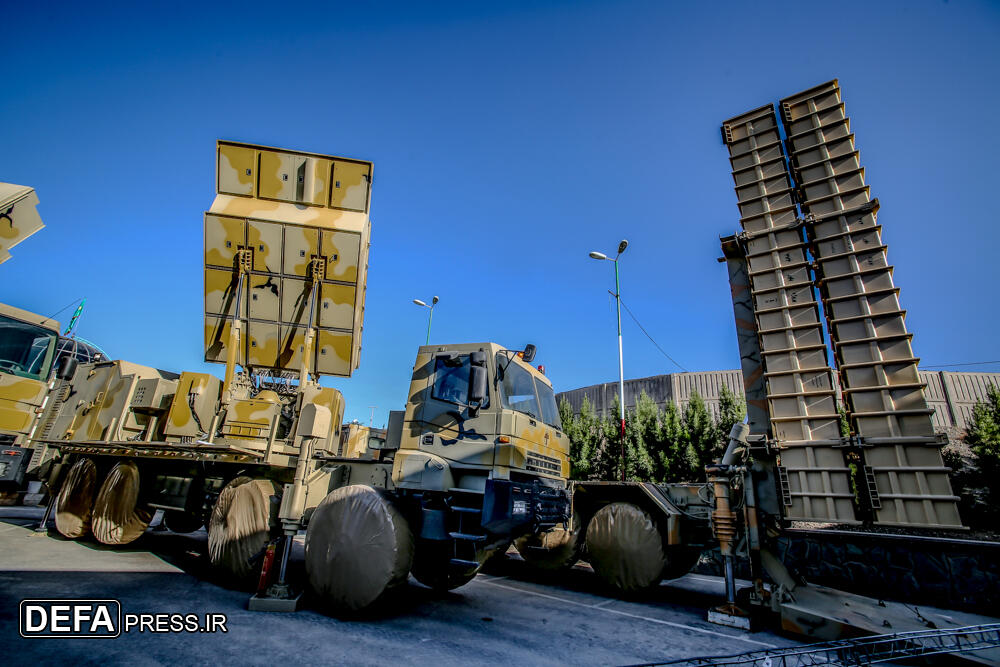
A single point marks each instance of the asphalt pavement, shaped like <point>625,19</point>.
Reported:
<point>510,614</point>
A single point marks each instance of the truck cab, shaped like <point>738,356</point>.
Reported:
<point>479,457</point>
<point>27,351</point>
<point>455,434</point>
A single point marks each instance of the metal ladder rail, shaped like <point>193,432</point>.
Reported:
<point>864,650</point>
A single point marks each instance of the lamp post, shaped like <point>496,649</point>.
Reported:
<point>430,316</point>
<point>621,364</point>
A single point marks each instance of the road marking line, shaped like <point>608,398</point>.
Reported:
<point>625,613</point>
<point>606,602</point>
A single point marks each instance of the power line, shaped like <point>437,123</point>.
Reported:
<point>971,363</point>
<point>634,319</point>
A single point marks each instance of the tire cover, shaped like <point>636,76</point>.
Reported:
<point>240,525</point>
<point>358,546</point>
<point>117,518</point>
<point>624,547</point>
<point>75,499</point>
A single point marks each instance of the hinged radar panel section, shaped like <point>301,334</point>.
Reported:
<point>18,217</point>
<point>286,258</point>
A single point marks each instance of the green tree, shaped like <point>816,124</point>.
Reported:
<point>641,427</point>
<point>584,440</point>
<point>571,427</point>
<point>732,411</point>
<point>976,471</point>
<point>703,442</point>
<point>605,461</point>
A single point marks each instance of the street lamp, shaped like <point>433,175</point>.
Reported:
<point>621,365</point>
<point>429,316</point>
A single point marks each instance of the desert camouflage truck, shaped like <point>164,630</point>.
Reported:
<point>27,352</point>
<point>286,245</point>
<point>479,460</point>
<point>254,455</point>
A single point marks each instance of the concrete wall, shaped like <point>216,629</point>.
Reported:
<point>676,387</point>
<point>952,395</point>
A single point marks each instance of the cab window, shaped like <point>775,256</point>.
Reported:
<point>25,350</point>
<point>518,389</point>
<point>547,400</point>
<point>451,379</point>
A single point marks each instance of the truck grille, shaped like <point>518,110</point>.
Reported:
<point>543,464</point>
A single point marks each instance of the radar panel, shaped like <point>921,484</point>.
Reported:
<point>286,247</point>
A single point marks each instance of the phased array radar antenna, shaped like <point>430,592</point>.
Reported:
<point>286,258</point>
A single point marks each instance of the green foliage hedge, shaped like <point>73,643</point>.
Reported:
<point>661,445</point>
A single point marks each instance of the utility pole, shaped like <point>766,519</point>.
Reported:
<point>621,363</point>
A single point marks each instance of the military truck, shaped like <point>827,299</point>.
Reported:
<point>27,352</point>
<point>255,454</point>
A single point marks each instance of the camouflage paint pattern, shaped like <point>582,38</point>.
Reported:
<point>303,217</point>
<point>497,439</point>
<point>355,442</point>
<point>252,418</point>
<point>98,402</point>
<point>193,405</point>
<point>333,400</point>
<point>18,217</point>
<point>19,399</point>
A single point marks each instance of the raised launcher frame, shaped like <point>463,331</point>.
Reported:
<point>809,227</point>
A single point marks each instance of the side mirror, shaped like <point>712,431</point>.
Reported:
<point>529,353</point>
<point>67,368</point>
<point>478,382</point>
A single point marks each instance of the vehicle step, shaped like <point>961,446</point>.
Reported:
<point>467,510</point>
<point>459,562</point>
<point>469,537</point>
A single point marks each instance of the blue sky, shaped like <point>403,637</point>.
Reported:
<point>509,140</point>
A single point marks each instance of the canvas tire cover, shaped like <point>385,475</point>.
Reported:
<point>117,518</point>
<point>358,546</point>
<point>624,547</point>
<point>75,499</point>
<point>552,549</point>
<point>240,525</point>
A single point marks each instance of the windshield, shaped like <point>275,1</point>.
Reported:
<point>25,349</point>
<point>547,399</point>
<point>520,391</point>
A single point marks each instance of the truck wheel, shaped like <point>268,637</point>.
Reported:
<point>625,548</point>
<point>433,568</point>
<point>75,499</point>
<point>118,518</point>
<point>680,561</point>
<point>182,522</point>
<point>552,550</point>
<point>240,526</point>
<point>358,547</point>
